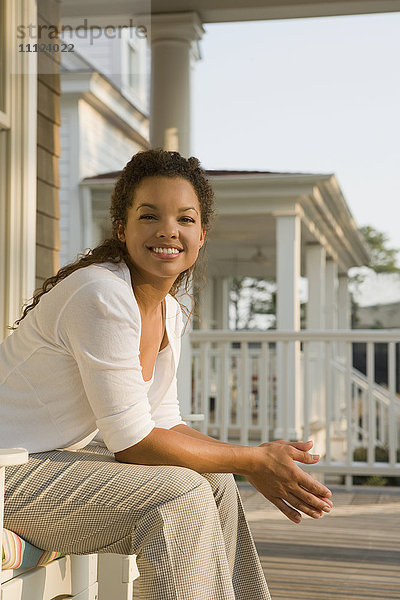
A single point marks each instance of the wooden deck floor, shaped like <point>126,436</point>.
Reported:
<point>352,554</point>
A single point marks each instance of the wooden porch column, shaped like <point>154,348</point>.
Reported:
<point>18,135</point>
<point>344,312</point>
<point>316,319</point>
<point>331,275</point>
<point>288,251</point>
<point>174,38</point>
<point>221,302</point>
<point>206,305</point>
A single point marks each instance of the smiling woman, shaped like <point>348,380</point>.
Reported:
<point>96,352</point>
<point>137,195</point>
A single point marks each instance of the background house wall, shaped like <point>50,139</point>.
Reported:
<point>379,316</point>
<point>104,121</point>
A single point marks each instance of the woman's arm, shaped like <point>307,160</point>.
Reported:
<point>270,467</point>
<point>181,428</point>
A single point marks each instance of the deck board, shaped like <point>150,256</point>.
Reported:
<point>353,553</point>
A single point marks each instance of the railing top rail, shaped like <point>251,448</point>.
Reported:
<point>345,335</point>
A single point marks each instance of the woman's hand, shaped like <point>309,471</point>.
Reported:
<point>277,477</point>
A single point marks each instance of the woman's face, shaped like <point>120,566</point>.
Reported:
<point>163,233</point>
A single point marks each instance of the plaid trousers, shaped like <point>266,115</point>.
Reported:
<point>188,530</point>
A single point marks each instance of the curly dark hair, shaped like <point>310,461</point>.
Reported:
<point>147,163</point>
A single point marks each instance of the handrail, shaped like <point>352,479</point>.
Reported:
<point>277,335</point>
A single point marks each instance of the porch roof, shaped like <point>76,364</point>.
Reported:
<point>214,11</point>
<point>243,238</point>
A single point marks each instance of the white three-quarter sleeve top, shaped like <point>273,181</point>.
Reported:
<point>72,367</point>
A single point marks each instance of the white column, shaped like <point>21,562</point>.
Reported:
<point>336,384</point>
<point>316,319</point>
<point>206,304</point>
<point>221,302</point>
<point>344,322</point>
<point>331,274</point>
<point>344,305</point>
<point>288,251</point>
<point>316,275</point>
<point>18,128</point>
<point>174,46</point>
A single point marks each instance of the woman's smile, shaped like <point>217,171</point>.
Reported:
<point>165,253</point>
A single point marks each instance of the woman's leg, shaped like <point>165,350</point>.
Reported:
<point>84,502</point>
<point>244,564</point>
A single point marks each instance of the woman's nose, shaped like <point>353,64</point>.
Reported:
<point>168,229</point>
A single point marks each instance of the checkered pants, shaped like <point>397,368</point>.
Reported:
<point>188,530</point>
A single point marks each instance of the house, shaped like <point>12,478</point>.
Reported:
<point>379,316</point>
<point>293,218</point>
<point>104,121</point>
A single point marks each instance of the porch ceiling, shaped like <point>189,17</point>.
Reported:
<point>234,242</point>
<point>214,11</point>
<point>243,238</point>
<point>245,245</point>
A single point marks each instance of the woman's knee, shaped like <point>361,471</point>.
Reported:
<point>220,481</point>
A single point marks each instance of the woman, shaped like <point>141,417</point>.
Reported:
<point>98,349</point>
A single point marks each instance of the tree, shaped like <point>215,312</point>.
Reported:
<point>382,263</point>
<point>383,258</point>
<point>249,298</point>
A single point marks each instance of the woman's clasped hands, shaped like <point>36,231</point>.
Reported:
<point>276,476</point>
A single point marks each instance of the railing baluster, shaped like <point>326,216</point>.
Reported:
<point>225,392</point>
<point>205,370</point>
<point>381,411</point>
<point>196,404</point>
<point>244,393</point>
<point>328,400</point>
<point>371,403</point>
<point>285,394</point>
<point>307,391</point>
<point>365,416</point>
<point>217,396</point>
<point>393,417</point>
<point>264,399</point>
<point>349,402</point>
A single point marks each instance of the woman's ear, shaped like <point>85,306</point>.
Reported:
<point>121,232</point>
<point>202,237</point>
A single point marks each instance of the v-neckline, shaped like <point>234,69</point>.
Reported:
<point>127,277</point>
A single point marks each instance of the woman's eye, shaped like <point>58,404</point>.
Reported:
<point>184,219</point>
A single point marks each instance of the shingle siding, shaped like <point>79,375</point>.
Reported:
<point>48,151</point>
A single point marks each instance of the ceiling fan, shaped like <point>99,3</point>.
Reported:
<point>258,257</point>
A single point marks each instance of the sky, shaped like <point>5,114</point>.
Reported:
<point>308,95</point>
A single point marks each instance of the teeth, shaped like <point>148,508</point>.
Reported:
<point>166,250</point>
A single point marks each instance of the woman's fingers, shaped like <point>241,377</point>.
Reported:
<point>287,510</point>
<point>308,505</point>
<point>315,503</point>
<point>309,484</point>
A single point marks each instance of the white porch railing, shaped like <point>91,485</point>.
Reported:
<point>234,384</point>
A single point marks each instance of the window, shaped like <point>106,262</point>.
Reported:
<point>133,67</point>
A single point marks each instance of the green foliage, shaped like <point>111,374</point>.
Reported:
<point>381,455</point>
<point>383,262</point>
<point>250,296</point>
<point>383,258</point>
<point>376,480</point>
